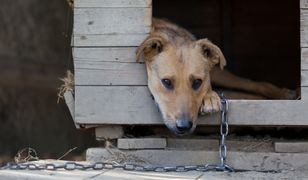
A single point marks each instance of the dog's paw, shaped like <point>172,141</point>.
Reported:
<point>289,94</point>
<point>211,103</point>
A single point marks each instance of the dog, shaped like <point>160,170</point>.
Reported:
<point>181,71</point>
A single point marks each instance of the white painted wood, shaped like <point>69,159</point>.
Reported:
<point>134,105</point>
<point>304,59</point>
<point>112,3</point>
<point>112,40</point>
<point>109,73</point>
<point>108,132</point>
<point>291,147</point>
<point>142,143</point>
<point>112,21</point>
<point>112,73</point>
<point>304,78</point>
<point>304,27</point>
<point>304,94</point>
<point>105,54</point>
<point>304,3</point>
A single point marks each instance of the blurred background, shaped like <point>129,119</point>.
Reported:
<point>34,53</point>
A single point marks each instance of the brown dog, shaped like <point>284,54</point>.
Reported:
<point>180,71</point>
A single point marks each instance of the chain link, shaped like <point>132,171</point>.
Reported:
<point>133,167</point>
<point>224,130</point>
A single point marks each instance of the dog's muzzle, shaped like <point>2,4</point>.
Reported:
<point>183,125</point>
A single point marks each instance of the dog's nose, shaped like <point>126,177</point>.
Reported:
<point>183,125</point>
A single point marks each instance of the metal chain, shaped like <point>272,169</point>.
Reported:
<point>134,167</point>
<point>224,129</point>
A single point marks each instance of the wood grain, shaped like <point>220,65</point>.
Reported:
<point>304,59</point>
<point>109,73</point>
<point>112,3</point>
<point>304,3</point>
<point>304,78</point>
<point>112,20</point>
<point>105,54</point>
<point>111,40</point>
<point>134,105</point>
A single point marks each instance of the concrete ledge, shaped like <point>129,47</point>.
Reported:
<point>291,147</point>
<point>142,143</point>
<point>258,161</point>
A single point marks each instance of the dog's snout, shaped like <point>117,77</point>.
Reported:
<point>183,125</point>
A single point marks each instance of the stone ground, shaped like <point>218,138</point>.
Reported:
<point>117,174</point>
<point>120,174</point>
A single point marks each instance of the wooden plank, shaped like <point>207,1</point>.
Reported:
<point>108,132</point>
<point>110,73</point>
<point>304,93</point>
<point>112,20</point>
<point>303,28</point>
<point>142,143</point>
<point>112,3</point>
<point>304,59</point>
<point>304,3</point>
<point>106,54</point>
<point>134,105</point>
<point>90,73</point>
<point>291,147</point>
<point>304,78</point>
<point>108,39</point>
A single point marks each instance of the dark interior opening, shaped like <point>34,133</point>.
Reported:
<point>260,39</point>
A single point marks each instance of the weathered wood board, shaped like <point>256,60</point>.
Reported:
<point>112,40</point>
<point>304,26</point>
<point>112,3</point>
<point>134,105</point>
<point>304,78</point>
<point>304,58</point>
<point>109,54</point>
<point>304,4</point>
<point>110,73</point>
<point>111,23</point>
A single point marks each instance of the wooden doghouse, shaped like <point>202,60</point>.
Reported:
<point>111,88</point>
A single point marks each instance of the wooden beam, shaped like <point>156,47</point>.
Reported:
<point>304,78</point>
<point>304,4</point>
<point>112,21</point>
<point>112,3</point>
<point>134,105</point>
<point>303,28</point>
<point>107,54</point>
<point>110,73</point>
<point>113,40</point>
<point>304,58</point>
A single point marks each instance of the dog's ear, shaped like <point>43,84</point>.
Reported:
<point>150,47</point>
<point>212,52</point>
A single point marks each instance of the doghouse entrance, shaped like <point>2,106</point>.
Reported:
<point>260,39</point>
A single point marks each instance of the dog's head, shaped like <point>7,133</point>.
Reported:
<point>179,78</point>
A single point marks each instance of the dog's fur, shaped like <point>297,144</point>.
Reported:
<point>171,52</point>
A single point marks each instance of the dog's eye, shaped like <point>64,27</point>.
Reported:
<point>167,83</point>
<point>196,84</point>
